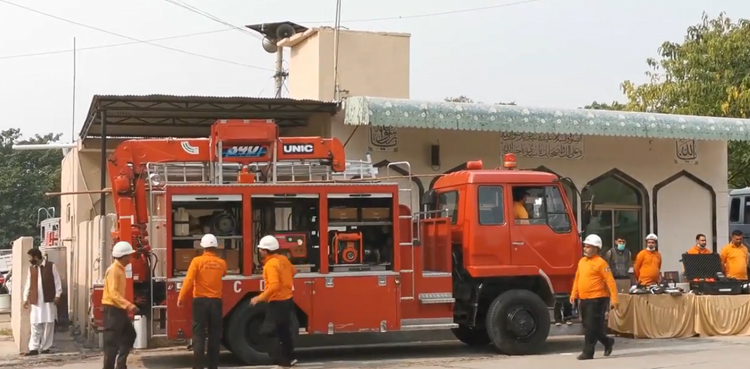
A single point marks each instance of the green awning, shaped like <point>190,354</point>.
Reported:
<point>361,110</point>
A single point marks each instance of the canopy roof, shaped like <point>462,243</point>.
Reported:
<point>190,116</point>
<point>363,110</point>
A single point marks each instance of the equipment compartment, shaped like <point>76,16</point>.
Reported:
<point>360,232</point>
<point>194,216</point>
<point>293,220</point>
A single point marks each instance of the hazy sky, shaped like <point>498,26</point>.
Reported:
<point>556,53</point>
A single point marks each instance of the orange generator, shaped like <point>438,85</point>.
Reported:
<point>463,263</point>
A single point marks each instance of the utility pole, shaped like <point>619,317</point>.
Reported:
<point>280,74</point>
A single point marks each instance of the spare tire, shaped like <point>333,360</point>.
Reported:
<point>244,333</point>
<point>518,322</point>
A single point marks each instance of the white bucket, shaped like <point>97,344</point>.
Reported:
<point>140,324</point>
<point>5,302</point>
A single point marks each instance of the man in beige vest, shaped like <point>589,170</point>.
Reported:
<point>41,293</point>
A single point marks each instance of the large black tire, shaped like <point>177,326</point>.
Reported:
<point>518,322</point>
<point>244,333</point>
<point>472,336</point>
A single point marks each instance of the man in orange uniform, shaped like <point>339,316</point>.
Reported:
<point>647,268</point>
<point>204,281</point>
<point>700,245</point>
<point>595,286</point>
<point>519,207</point>
<point>278,274</point>
<point>119,333</point>
<point>734,257</point>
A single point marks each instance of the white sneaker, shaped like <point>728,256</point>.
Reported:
<point>558,324</point>
<point>569,322</point>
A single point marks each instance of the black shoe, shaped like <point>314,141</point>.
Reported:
<point>608,348</point>
<point>44,352</point>
<point>31,353</point>
<point>585,357</point>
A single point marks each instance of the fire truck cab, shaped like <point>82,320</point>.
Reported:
<point>485,257</point>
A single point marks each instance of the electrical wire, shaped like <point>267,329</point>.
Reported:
<point>233,27</point>
<point>213,17</point>
<point>427,15</point>
<point>132,38</point>
<point>110,45</point>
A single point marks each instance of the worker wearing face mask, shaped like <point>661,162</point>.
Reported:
<point>619,259</point>
<point>595,287</point>
<point>734,258</point>
<point>647,268</point>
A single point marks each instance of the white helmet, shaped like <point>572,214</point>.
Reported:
<point>209,240</point>
<point>121,249</point>
<point>593,240</point>
<point>652,236</point>
<point>269,243</point>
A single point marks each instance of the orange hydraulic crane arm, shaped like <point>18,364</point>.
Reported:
<point>238,141</point>
<point>313,148</point>
<point>128,174</point>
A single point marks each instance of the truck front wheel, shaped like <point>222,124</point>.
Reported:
<point>247,336</point>
<point>471,336</point>
<point>518,322</point>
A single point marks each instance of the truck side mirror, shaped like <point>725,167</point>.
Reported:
<point>429,198</point>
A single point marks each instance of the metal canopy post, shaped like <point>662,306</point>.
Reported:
<point>103,196</point>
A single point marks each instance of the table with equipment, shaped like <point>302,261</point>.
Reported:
<point>709,304</point>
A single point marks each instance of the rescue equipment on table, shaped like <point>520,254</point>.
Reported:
<point>706,277</point>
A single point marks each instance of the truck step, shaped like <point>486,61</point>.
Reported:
<point>436,298</point>
<point>432,274</point>
<point>427,324</point>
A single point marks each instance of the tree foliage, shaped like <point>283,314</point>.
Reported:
<point>707,74</point>
<point>468,100</point>
<point>26,177</point>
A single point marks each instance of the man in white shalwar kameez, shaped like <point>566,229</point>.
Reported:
<point>41,293</point>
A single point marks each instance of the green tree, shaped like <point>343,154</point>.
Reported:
<point>26,177</point>
<point>468,100</point>
<point>707,74</point>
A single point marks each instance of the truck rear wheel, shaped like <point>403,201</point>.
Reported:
<point>244,333</point>
<point>518,322</point>
<point>471,336</point>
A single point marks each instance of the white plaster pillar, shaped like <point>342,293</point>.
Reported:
<point>19,316</point>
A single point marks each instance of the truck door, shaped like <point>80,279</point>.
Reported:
<point>541,232</point>
<point>493,231</point>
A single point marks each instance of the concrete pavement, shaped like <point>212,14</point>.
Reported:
<point>696,353</point>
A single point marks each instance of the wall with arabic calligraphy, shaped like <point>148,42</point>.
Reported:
<point>542,145</point>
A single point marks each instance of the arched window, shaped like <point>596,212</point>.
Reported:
<point>620,210</point>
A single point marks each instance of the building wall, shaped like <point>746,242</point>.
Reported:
<point>80,228</point>
<point>682,192</point>
<point>362,68</point>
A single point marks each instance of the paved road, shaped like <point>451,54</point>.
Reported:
<point>696,353</point>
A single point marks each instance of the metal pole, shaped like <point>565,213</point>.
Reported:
<point>337,28</point>
<point>103,197</point>
<point>73,123</point>
<point>279,76</point>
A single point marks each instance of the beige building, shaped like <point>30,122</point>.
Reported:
<point>647,172</point>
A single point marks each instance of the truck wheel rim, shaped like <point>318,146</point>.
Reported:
<point>521,322</point>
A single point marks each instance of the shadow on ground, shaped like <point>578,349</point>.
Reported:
<point>393,353</point>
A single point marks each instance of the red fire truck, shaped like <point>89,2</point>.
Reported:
<point>365,261</point>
